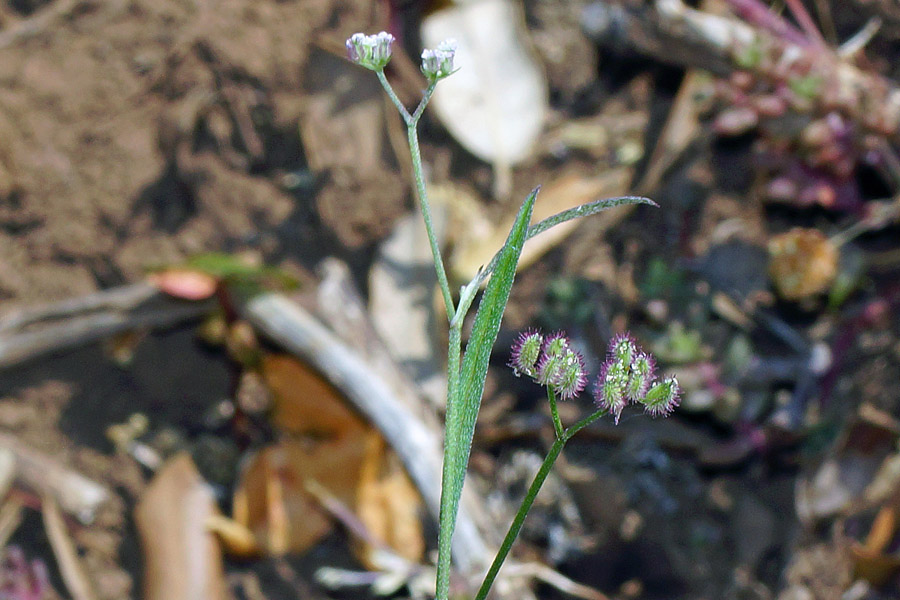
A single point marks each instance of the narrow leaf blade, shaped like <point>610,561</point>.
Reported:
<point>462,411</point>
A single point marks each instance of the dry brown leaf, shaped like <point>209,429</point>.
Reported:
<point>333,448</point>
<point>304,403</point>
<point>182,558</point>
<point>872,562</point>
<point>802,263</point>
<point>388,503</point>
<point>271,501</point>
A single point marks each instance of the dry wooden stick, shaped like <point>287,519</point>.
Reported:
<point>75,493</point>
<point>418,446</point>
<point>67,558</point>
<point>120,298</point>
<point>33,332</point>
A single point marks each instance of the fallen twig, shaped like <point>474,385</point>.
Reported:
<point>418,445</point>
<point>30,333</point>
<point>75,493</point>
<point>120,299</point>
<point>73,574</point>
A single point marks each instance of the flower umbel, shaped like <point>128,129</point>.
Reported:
<point>370,51</point>
<point>628,376</point>
<point>552,363</point>
<point>438,63</point>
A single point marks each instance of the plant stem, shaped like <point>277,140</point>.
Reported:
<point>407,118</point>
<point>554,412</point>
<point>567,435</point>
<point>413,137</point>
<point>539,478</point>
<point>519,519</point>
<point>412,124</point>
<point>426,96</point>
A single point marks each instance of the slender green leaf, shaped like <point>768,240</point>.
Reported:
<point>462,410</point>
<point>582,210</point>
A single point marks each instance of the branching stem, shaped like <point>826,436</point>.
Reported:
<point>562,437</point>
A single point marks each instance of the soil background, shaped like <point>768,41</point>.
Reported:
<point>135,134</point>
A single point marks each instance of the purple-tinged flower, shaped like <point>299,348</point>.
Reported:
<point>525,352</point>
<point>610,387</point>
<point>662,398</point>
<point>641,374</point>
<point>438,63</point>
<point>370,51</point>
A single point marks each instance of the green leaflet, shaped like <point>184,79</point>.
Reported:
<point>462,410</point>
<point>583,210</point>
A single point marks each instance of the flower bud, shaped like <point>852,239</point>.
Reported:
<point>438,63</point>
<point>370,51</point>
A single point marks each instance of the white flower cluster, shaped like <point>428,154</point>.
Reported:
<point>370,51</point>
<point>438,63</point>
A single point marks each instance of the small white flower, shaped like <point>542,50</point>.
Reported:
<point>438,63</point>
<point>370,51</point>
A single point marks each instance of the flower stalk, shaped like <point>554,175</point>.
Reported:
<point>550,361</point>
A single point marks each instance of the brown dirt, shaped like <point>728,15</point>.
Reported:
<point>138,132</point>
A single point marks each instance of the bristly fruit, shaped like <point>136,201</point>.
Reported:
<point>643,369</point>
<point>628,376</point>
<point>610,388</point>
<point>525,352</point>
<point>662,398</point>
<point>551,362</point>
